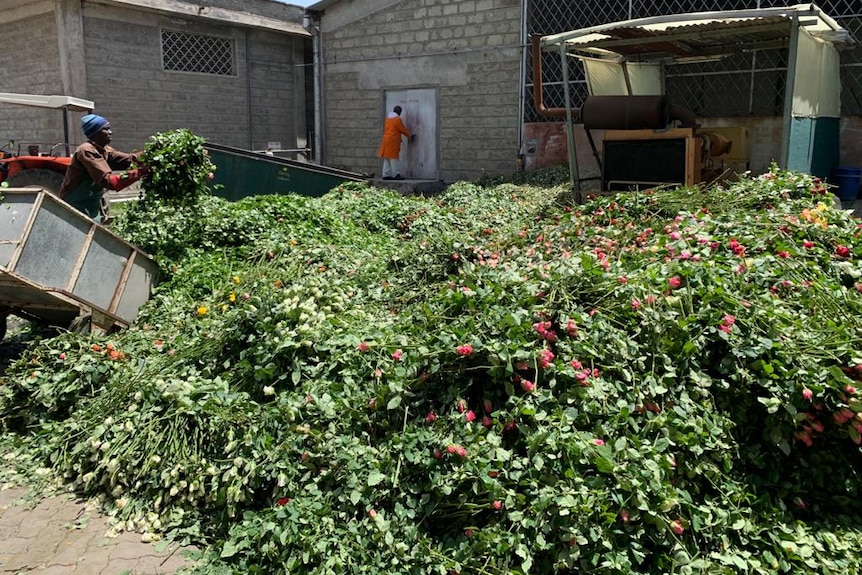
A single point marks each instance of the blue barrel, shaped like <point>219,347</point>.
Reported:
<point>847,180</point>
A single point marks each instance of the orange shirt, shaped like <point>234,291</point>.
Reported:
<point>393,129</point>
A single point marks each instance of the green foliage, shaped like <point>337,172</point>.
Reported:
<point>179,167</point>
<point>488,381</point>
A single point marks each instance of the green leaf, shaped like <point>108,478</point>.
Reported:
<point>229,549</point>
<point>604,465</point>
<point>375,478</point>
<point>394,402</point>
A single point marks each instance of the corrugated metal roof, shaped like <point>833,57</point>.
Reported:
<point>691,40</point>
<point>700,34</point>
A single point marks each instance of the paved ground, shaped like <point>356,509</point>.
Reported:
<point>62,536</point>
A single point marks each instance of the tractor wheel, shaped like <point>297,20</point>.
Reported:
<point>47,179</point>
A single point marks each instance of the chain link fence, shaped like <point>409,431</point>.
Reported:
<point>745,85</point>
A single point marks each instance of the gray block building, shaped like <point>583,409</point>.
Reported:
<point>454,67</point>
<point>462,72</point>
<point>233,71</point>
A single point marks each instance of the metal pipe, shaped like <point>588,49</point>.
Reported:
<point>574,175</point>
<point>537,82</point>
<point>522,74</point>
<point>789,88</point>
<point>249,108</point>
<point>317,50</point>
<point>66,131</point>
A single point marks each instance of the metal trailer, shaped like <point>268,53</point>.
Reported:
<point>59,267</point>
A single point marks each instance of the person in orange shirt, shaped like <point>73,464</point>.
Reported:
<point>390,145</point>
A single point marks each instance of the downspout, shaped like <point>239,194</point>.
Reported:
<point>248,90</point>
<point>311,22</point>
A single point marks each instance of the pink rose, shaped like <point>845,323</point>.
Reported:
<point>465,349</point>
<point>807,394</point>
<point>674,282</point>
<point>528,385</point>
<point>498,505</point>
<point>396,355</point>
<point>599,442</point>
<point>431,417</point>
<point>363,346</point>
<point>676,527</point>
<point>470,415</point>
<point>545,358</point>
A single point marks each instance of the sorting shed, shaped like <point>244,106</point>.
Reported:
<point>633,57</point>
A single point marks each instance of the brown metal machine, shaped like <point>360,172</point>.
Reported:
<point>648,141</point>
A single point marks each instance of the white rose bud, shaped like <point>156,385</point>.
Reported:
<point>268,390</point>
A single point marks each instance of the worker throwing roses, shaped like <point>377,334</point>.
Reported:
<point>90,171</point>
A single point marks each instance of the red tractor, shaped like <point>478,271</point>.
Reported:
<point>38,164</point>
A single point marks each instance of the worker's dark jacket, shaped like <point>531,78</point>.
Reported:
<point>87,176</point>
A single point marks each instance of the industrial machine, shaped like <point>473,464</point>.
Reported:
<point>26,164</point>
<point>648,140</point>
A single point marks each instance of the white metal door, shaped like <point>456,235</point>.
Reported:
<point>419,114</point>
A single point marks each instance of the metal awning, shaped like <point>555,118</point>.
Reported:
<point>698,35</point>
<point>58,102</point>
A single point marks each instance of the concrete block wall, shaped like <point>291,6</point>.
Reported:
<point>30,65</point>
<point>467,49</point>
<point>125,78</point>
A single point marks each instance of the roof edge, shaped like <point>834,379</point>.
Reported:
<point>797,10</point>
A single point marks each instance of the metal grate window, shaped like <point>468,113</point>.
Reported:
<point>749,85</point>
<point>184,52</point>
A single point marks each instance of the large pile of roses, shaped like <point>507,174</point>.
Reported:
<point>494,380</point>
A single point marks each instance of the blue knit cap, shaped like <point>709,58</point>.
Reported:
<point>92,123</point>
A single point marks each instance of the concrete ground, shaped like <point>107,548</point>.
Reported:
<point>64,536</point>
